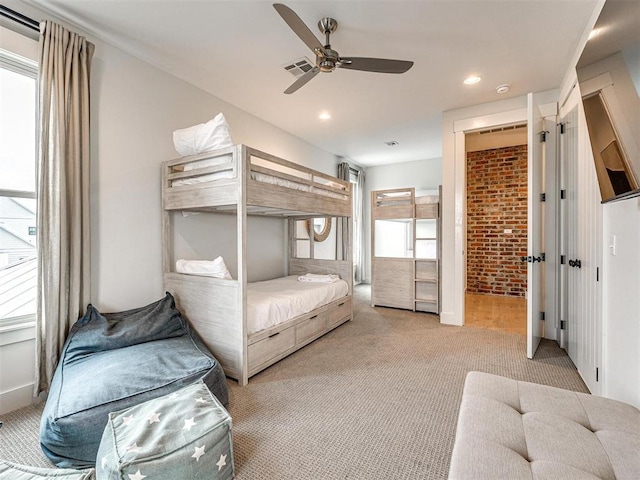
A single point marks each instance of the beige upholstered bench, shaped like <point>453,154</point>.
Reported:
<point>518,430</point>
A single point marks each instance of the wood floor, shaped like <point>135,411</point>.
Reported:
<point>508,314</point>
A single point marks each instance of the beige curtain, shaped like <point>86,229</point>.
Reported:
<point>344,172</point>
<point>63,192</point>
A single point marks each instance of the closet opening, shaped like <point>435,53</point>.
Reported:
<point>496,228</point>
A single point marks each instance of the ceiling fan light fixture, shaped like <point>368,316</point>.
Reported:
<point>472,80</point>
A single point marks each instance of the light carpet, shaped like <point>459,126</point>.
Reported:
<point>377,398</point>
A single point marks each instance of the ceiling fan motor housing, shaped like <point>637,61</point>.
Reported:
<point>328,61</point>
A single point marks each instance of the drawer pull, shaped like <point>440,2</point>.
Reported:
<point>341,304</point>
<point>274,335</point>
<point>311,318</point>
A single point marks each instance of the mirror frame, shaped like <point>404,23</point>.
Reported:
<point>319,236</point>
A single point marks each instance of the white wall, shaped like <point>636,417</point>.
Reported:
<point>621,303</point>
<point>420,174</point>
<point>135,108</point>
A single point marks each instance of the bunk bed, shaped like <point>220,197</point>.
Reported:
<point>243,181</point>
<point>405,253</point>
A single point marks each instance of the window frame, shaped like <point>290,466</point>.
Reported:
<point>29,68</point>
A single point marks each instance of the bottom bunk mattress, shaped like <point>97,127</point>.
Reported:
<point>272,302</point>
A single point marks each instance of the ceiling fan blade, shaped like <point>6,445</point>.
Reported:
<point>380,65</point>
<point>302,80</point>
<point>299,27</point>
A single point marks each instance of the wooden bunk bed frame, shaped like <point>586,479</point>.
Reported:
<point>217,308</point>
<point>405,282</point>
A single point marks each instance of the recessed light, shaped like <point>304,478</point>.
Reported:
<point>594,33</point>
<point>324,116</point>
<point>472,80</point>
<point>504,88</point>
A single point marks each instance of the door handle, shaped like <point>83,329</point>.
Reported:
<point>531,259</point>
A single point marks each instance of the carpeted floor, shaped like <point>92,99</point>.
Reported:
<point>376,398</point>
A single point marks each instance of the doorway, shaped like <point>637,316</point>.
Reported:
<point>496,228</point>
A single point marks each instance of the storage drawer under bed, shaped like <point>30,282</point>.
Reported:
<point>339,312</point>
<point>311,327</point>
<point>264,350</point>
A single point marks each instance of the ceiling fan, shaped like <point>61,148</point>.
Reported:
<point>327,59</point>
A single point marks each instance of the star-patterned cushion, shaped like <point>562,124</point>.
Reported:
<point>13,471</point>
<point>184,435</point>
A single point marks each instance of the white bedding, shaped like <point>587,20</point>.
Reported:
<point>259,177</point>
<point>272,302</point>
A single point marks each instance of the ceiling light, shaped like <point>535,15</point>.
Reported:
<point>594,33</point>
<point>324,116</point>
<point>391,143</point>
<point>504,88</point>
<point>472,80</point>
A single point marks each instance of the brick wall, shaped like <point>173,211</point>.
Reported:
<point>497,201</point>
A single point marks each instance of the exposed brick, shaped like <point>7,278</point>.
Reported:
<point>497,200</point>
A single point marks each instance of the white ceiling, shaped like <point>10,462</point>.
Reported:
<point>236,49</point>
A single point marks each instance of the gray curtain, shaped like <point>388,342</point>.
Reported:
<point>63,192</point>
<point>344,172</point>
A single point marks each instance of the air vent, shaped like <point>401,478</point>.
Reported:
<point>298,67</point>
<point>502,129</point>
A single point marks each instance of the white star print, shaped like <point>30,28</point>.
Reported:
<point>127,420</point>
<point>188,423</point>
<point>222,462</point>
<point>133,448</point>
<point>154,418</point>
<point>136,476</point>
<point>104,462</point>
<point>201,400</point>
<point>198,453</point>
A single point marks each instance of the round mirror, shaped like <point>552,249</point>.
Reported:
<point>321,228</point>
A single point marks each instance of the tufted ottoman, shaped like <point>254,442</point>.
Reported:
<point>184,435</point>
<point>518,430</point>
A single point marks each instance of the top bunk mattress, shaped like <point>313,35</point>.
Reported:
<point>257,176</point>
<point>272,302</point>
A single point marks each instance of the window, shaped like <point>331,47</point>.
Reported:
<point>356,198</point>
<point>18,250</point>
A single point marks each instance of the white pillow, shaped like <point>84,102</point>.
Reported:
<point>214,268</point>
<point>204,137</point>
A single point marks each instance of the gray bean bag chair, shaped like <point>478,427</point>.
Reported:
<point>113,361</point>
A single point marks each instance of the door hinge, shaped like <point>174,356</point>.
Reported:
<point>543,136</point>
<point>543,197</point>
<point>563,194</point>
<point>561,128</point>
<point>562,324</point>
<point>597,374</point>
<point>541,315</point>
<point>563,259</point>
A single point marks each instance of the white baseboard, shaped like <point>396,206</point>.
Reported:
<point>16,398</point>
<point>449,318</point>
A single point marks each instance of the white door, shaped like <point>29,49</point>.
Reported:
<point>535,127</point>
<point>581,237</point>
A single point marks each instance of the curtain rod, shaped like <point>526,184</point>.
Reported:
<point>19,18</point>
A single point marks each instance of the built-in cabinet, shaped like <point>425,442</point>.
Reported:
<point>405,250</point>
